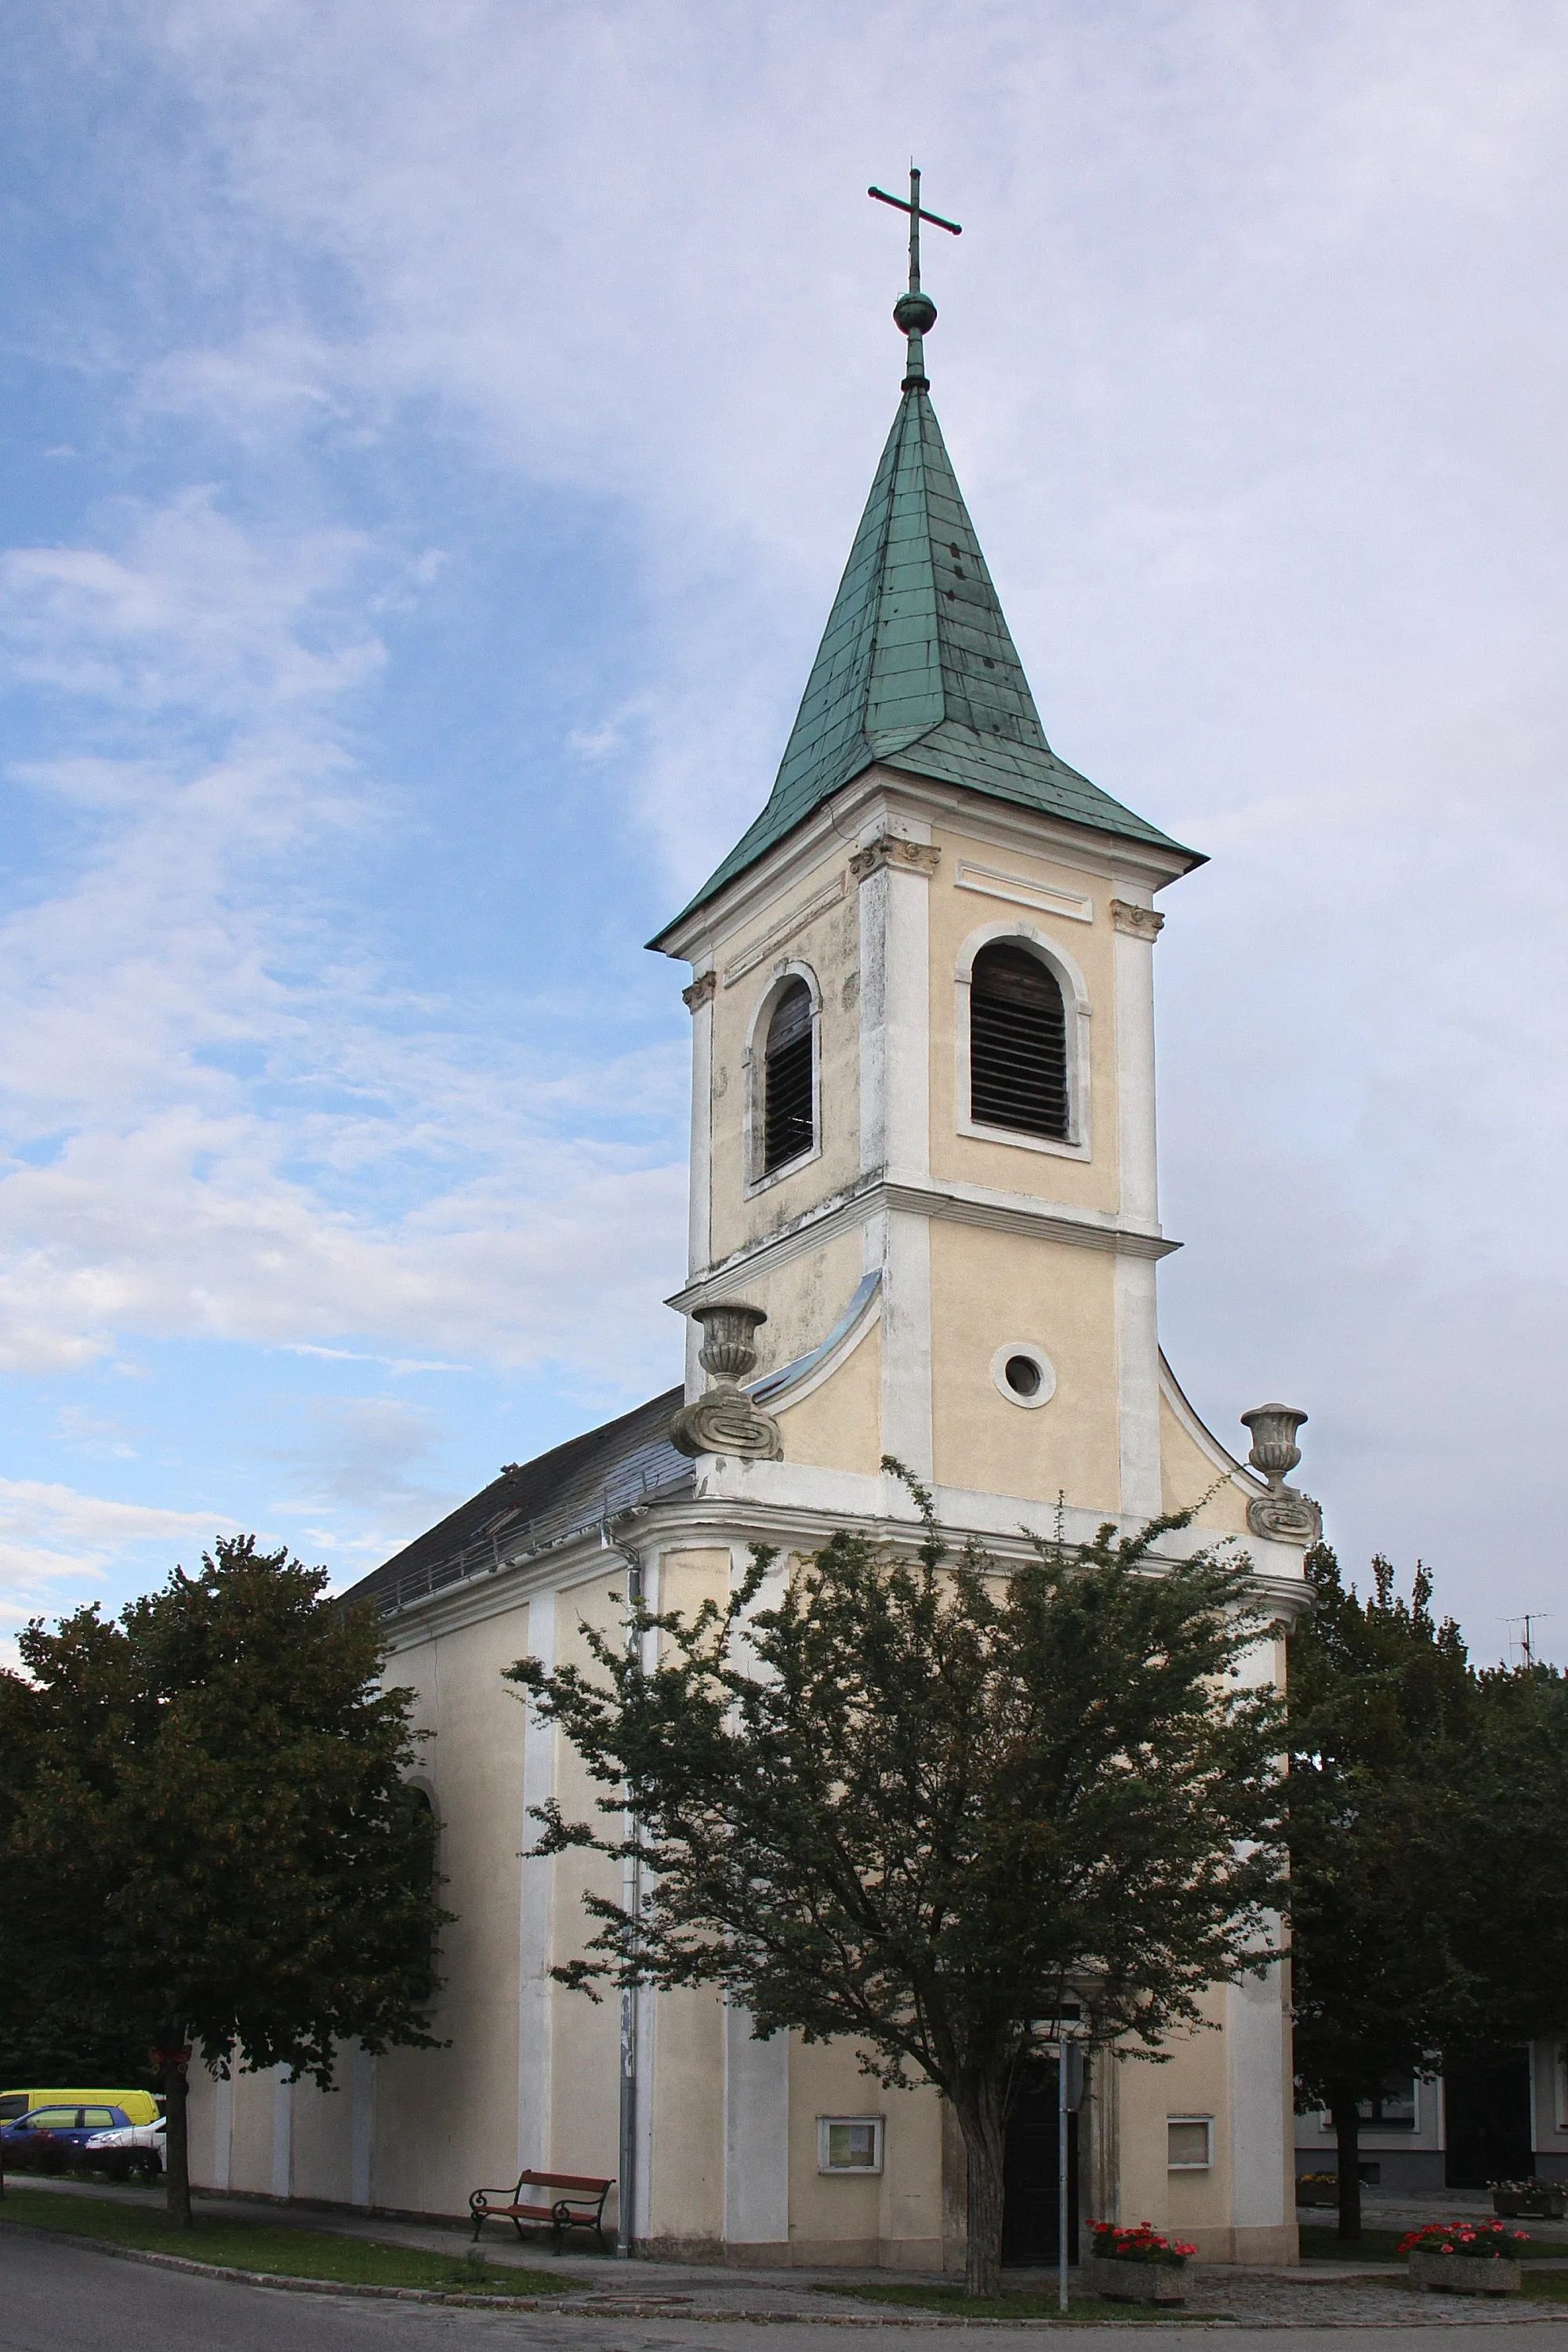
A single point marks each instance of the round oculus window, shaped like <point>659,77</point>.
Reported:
<point>1024,1373</point>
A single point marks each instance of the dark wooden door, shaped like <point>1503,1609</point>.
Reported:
<point>1485,2102</point>
<point>1029,2176</point>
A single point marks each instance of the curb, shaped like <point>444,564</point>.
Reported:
<point>1215,2322</point>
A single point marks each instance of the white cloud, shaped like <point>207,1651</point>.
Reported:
<point>152,1190</point>
<point>59,1548</point>
<point>1251,366</point>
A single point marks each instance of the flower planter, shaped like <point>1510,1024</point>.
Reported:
<point>1544,2205</point>
<point>1465,2274</point>
<point>1136,2282</point>
<point>1311,2193</point>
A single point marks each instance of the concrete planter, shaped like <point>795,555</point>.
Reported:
<point>1315,2193</point>
<point>1544,2205</point>
<point>1139,2282</point>
<point>1465,2274</point>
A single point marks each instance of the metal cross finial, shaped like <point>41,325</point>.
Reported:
<point>914,313</point>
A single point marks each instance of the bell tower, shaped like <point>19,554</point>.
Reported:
<point>923,1131</point>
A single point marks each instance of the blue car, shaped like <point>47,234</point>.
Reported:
<point>74,2125</point>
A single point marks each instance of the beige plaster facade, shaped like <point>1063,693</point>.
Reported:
<point>895,1261</point>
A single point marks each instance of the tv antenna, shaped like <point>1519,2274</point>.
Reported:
<point>1531,1617</point>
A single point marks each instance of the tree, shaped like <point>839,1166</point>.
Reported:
<point>1513,1827</point>
<point>929,1803</point>
<point>205,1832</point>
<point>1381,1712</point>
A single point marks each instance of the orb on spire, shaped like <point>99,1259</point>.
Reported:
<point>914,313</point>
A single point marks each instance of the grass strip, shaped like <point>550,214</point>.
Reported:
<point>273,2247</point>
<point>1382,2246</point>
<point>1023,2303</point>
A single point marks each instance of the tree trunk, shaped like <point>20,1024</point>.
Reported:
<point>1347,2133</point>
<point>985,2136</point>
<point>176,2144</point>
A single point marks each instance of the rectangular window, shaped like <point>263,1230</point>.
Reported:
<point>1397,2106</point>
<point>1189,2142</point>
<point>849,2143</point>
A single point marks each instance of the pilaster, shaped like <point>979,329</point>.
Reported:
<point>699,999</point>
<point>894,877</point>
<point>1262,2132</point>
<point>282,2133</point>
<point>535,1990</point>
<point>756,2137</point>
<point>223,2131</point>
<point>362,2129</point>
<point>1135,928</point>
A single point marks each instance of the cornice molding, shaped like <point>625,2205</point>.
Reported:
<point>709,1521</point>
<point>1004,824</point>
<point>965,1204</point>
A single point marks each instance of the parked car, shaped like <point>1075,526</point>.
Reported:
<point>138,2106</point>
<point>128,2149</point>
<point>69,2127</point>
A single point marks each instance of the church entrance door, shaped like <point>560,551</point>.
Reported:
<point>1487,2106</point>
<point>1029,2175</point>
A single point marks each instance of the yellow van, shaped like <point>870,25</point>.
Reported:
<point>140,2106</point>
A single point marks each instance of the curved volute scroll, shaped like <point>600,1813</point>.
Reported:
<point>1284,1514</point>
<point>725,1420</point>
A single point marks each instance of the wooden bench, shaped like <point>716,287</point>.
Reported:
<point>578,2205</point>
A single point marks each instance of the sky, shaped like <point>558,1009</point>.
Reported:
<point>433,436</point>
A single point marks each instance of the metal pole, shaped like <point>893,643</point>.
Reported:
<point>631,1900</point>
<point>1061,2172</point>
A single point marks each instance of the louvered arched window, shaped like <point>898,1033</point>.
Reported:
<point>788,1092</point>
<point>1017,1044</point>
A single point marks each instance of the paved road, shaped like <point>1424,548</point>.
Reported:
<point>59,2298</point>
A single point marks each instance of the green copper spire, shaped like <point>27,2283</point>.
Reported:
<point>917,670</point>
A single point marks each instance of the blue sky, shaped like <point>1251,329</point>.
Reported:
<point>433,438</point>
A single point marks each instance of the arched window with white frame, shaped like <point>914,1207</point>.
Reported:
<point>1018,1077</point>
<point>1021,1034</point>
<point>784,1076</point>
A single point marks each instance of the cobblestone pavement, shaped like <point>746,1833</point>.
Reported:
<point>1382,2299</point>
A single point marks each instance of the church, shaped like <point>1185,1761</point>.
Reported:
<point>924,1223</point>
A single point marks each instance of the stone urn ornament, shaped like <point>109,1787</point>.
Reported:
<point>724,1419</point>
<point>1284,1514</point>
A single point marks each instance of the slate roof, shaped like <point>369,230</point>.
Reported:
<point>917,670</point>
<point>534,1504</point>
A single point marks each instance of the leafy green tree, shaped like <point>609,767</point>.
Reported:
<point>205,1833</point>
<point>1513,1895</point>
<point>928,1804</point>
<point>1381,1712</point>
